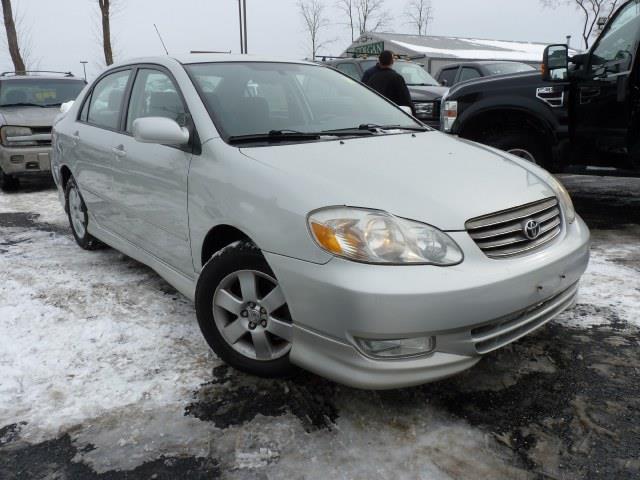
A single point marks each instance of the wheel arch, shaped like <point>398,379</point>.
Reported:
<point>479,123</point>
<point>219,237</point>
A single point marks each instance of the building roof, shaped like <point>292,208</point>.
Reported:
<point>457,48</point>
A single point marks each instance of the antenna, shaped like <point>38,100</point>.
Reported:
<point>161,41</point>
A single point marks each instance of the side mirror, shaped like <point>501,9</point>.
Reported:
<point>406,109</point>
<point>555,63</point>
<point>160,130</point>
<point>444,83</point>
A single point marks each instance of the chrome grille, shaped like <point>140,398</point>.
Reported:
<point>502,234</point>
<point>512,327</point>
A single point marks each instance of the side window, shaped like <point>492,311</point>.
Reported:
<point>469,73</point>
<point>105,106</point>
<point>85,108</point>
<point>616,47</point>
<point>350,69</point>
<point>448,76</point>
<point>155,95</point>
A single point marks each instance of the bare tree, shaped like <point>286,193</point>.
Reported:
<point>312,12</point>
<point>364,15</point>
<point>591,10</point>
<point>348,7</point>
<point>419,14</point>
<point>106,13</point>
<point>12,37</point>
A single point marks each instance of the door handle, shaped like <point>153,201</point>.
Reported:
<point>588,93</point>
<point>119,151</point>
<point>75,138</point>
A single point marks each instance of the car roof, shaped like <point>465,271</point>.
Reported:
<point>187,59</point>
<point>478,63</point>
<point>38,77</point>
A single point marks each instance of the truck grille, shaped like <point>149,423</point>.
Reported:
<point>504,234</point>
<point>512,327</point>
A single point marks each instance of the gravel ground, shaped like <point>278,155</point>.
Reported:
<point>104,375</point>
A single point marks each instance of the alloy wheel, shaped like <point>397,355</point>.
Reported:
<point>250,312</point>
<point>76,212</point>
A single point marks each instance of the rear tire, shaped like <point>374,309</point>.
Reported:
<point>79,217</point>
<point>8,183</point>
<point>525,145</point>
<point>242,312</point>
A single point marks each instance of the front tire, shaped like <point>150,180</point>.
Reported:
<point>8,183</point>
<point>78,217</point>
<point>242,312</point>
<point>521,144</point>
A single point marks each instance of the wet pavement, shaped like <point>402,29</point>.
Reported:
<point>562,403</point>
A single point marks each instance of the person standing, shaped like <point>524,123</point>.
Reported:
<point>387,82</point>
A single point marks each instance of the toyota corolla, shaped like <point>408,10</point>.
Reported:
<point>313,222</point>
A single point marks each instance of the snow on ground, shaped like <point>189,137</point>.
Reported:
<point>96,344</point>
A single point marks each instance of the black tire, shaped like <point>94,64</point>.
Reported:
<point>84,239</point>
<point>239,256</point>
<point>523,145</point>
<point>8,183</point>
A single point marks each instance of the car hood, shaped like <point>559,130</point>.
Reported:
<point>29,116</point>
<point>425,94</point>
<point>496,82</point>
<point>429,177</point>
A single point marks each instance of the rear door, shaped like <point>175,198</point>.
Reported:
<point>151,180</point>
<point>93,138</point>
<point>602,98</point>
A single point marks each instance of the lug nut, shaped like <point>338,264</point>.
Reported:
<point>263,324</point>
<point>252,325</point>
<point>244,313</point>
<point>252,305</point>
<point>263,311</point>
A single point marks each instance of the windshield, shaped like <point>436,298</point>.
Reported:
<point>412,73</point>
<point>507,68</point>
<point>38,91</point>
<point>258,98</point>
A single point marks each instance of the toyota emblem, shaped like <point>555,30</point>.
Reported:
<point>531,229</point>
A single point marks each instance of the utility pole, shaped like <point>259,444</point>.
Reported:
<point>242,16</point>
<point>84,68</point>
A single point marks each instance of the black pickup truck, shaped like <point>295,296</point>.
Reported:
<point>579,111</point>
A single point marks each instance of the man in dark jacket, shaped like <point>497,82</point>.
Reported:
<point>387,82</point>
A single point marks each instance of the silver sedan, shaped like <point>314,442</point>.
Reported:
<point>313,222</point>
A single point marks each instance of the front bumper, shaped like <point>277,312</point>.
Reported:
<point>25,161</point>
<point>470,309</point>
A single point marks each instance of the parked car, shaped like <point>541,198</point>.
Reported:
<point>454,73</point>
<point>313,222</point>
<point>580,113</point>
<point>426,92</point>
<point>28,105</point>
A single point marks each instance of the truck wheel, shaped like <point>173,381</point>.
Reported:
<point>524,145</point>
<point>242,312</point>
<point>78,217</point>
<point>8,183</point>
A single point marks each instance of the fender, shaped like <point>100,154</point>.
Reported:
<point>532,107</point>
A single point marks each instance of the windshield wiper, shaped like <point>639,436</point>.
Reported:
<point>275,136</point>
<point>423,85</point>
<point>21,104</point>
<point>372,127</point>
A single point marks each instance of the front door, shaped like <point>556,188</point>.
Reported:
<point>151,180</point>
<point>603,95</point>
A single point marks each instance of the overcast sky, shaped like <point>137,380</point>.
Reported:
<point>63,32</point>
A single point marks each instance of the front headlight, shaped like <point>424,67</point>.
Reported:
<point>374,236</point>
<point>11,136</point>
<point>424,109</point>
<point>564,198</point>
